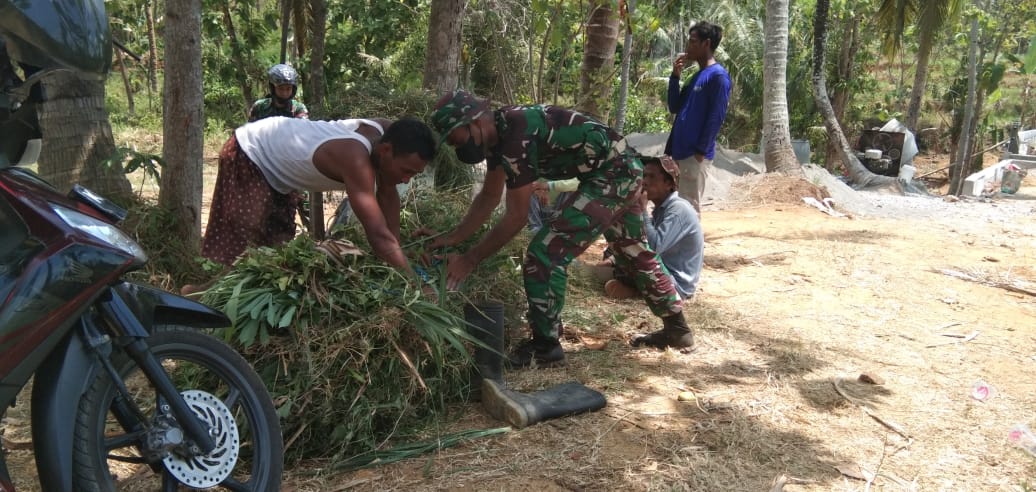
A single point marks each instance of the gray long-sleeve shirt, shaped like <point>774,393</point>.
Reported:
<point>674,232</point>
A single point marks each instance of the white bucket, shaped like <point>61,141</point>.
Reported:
<point>906,172</point>
<point>872,153</point>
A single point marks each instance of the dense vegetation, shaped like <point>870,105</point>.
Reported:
<point>529,50</point>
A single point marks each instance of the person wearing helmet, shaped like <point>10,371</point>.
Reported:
<point>283,84</point>
<point>522,144</point>
<point>673,232</point>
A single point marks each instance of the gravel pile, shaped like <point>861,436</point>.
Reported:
<point>998,207</point>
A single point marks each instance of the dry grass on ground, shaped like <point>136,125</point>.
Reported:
<point>795,306</point>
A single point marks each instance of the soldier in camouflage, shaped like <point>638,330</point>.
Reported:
<point>284,84</point>
<point>522,144</point>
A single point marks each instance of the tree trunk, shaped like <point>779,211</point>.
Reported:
<point>442,61</point>
<point>964,144</point>
<point>544,49</point>
<point>77,137</point>
<point>314,94</point>
<point>235,48</point>
<point>152,41</point>
<point>924,52</point>
<point>777,150</point>
<point>183,120</point>
<point>845,69</point>
<point>624,77</point>
<point>598,68</point>
<point>858,174</point>
<point>126,81</point>
<point>299,17</point>
<point>285,28</point>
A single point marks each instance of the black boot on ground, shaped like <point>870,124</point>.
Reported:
<point>542,352</point>
<point>674,333</point>
<point>524,409</point>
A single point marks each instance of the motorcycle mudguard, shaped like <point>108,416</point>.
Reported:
<point>154,307</point>
<point>59,384</point>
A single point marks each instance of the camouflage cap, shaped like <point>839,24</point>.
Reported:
<point>456,109</point>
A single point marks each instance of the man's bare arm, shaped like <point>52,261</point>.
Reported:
<point>388,200</point>
<point>352,161</point>
<point>516,216</point>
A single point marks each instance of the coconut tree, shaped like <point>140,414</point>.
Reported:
<point>777,150</point>
<point>78,137</point>
<point>597,70</point>
<point>928,18</point>
<point>858,173</point>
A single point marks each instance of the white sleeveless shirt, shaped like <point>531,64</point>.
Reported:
<point>283,149</point>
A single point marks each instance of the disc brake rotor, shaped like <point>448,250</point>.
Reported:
<point>211,469</point>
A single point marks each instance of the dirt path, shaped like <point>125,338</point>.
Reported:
<point>794,303</point>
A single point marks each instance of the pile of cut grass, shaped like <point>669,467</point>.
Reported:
<point>354,354</point>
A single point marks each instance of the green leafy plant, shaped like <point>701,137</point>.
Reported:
<point>133,160</point>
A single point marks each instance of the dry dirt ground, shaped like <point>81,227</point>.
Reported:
<point>795,306</point>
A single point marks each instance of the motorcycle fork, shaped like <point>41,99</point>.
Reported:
<point>124,324</point>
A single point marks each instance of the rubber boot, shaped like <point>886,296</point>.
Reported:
<point>674,333</point>
<point>522,410</point>
<point>485,323</point>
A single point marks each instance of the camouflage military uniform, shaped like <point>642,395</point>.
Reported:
<point>264,108</point>
<point>554,143</point>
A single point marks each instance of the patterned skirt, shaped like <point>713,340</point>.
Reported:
<point>245,210</point>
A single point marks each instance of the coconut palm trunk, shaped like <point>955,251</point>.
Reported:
<point>858,174</point>
<point>598,68</point>
<point>777,150</point>
<point>77,137</point>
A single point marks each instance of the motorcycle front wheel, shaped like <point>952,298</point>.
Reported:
<point>219,386</point>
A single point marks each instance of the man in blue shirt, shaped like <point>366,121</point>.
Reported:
<point>700,108</point>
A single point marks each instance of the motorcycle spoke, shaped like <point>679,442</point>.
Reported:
<point>232,397</point>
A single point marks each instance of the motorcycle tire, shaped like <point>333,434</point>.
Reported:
<point>107,458</point>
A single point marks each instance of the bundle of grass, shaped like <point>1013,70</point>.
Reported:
<point>353,352</point>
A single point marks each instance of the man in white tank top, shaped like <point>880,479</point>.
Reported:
<point>265,164</point>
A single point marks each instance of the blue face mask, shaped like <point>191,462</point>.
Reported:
<point>470,152</point>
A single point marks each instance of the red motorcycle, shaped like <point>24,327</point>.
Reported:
<point>125,386</point>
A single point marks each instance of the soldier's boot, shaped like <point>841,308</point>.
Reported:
<point>544,352</point>
<point>522,410</point>
<point>674,333</point>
